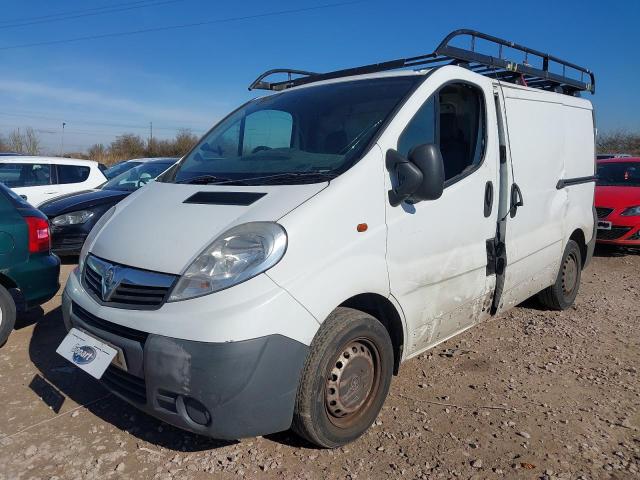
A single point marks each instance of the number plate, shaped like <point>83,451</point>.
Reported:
<point>90,354</point>
<point>603,225</point>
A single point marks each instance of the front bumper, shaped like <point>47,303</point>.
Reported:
<point>224,390</point>
<point>622,233</point>
<point>68,240</point>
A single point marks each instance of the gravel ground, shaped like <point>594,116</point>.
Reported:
<point>530,394</point>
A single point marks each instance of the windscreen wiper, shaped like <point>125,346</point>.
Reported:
<point>288,177</point>
<point>212,179</point>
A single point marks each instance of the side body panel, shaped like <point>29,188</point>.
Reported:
<point>328,261</point>
<point>550,137</point>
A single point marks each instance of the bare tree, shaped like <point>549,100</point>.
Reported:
<point>16,141</point>
<point>4,146</point>
<point>31,142</point>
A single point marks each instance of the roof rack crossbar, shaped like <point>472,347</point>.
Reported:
<point>498,67</point>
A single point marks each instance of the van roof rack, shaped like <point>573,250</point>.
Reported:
<point>523,72</point>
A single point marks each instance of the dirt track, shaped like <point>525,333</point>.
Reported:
<point>531,394</point>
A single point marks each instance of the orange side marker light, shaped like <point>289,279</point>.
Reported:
<point>362,227</point>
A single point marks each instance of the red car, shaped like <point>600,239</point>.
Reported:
<point>618,201</point>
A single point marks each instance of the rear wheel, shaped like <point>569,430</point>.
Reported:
<point>7,315</point>
<point>345,380</point>
<point>562,294</point>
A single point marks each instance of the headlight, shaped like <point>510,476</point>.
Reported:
<point>92,235</point>
<point>237,255</point>
<point>632,212</point>
<point>72,218</point>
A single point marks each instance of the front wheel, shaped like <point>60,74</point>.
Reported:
<point>345,379</point>
<point>562,294</point>
<point>7,315</point>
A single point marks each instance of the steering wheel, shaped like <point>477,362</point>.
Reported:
<point>260,148</point>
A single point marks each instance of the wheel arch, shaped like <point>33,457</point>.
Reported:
<point>7,283</point>
<point>386,312</point>
<point>579,237</point>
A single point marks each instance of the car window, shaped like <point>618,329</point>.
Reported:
<point>137,177</point>
<point>119,168</point>
<point>16,175</point>
<point>265,130</point>
<point>623,174</point>
<point>72,173</point>
<point>458,129</point>
<point>421,129</point>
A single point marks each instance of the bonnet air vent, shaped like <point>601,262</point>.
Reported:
<point>225,198</point>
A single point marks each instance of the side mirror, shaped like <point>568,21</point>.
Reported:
<point>428,159</point>
<point>406,177</point>
<point>418,178</point>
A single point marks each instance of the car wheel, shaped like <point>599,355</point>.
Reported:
<point>563,292</point>
<point>345,379</point>
<point>7,315</point>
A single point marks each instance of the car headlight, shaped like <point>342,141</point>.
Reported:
<point>632,212</point>
<point>92,235</point>
<point>73,218</point>
<point>237,255</point>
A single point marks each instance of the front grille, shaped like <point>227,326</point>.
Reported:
<point>613,234</point>
<point>133,288</point>
<point>603,212</point>
<point>125,384</point>
<point>95,322</point>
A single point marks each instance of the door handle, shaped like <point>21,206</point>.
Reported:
<point>516,200</point>
<point>488,199</point>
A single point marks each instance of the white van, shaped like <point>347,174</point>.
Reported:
<point>317,238</point>
<point>39,179</point>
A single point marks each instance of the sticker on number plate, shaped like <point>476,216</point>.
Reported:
<point>604,225</point>
<point>87,352</point>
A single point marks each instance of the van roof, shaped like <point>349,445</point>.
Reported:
<point>535,69</point>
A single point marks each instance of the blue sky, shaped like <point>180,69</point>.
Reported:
<point>190,77</point>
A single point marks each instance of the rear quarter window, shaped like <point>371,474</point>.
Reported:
<point>72,173</point>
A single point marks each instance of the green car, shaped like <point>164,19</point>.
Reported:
<point>28,270</point>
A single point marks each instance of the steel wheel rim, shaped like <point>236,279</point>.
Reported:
<point>352,382</point>
<point>569,274</point>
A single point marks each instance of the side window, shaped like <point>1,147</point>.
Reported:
<point>462,128</point>
<point>421,129</point>
<point>16,175</point>
<point>454,119</point>
<point>267,129</point>
<point>72,173</point>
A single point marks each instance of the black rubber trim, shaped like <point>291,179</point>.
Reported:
<point>568,182</point>
<point>225,198</point>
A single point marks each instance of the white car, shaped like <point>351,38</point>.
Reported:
<point>316,238</point>
<point>39,179</point>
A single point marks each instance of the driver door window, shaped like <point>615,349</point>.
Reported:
<point>454,119</point>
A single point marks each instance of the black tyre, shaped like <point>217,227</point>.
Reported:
<point>562,294</point>
<point>7,315</point>
<point>345,379</point>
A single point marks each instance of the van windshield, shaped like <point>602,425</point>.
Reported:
<point>623,174</point>
<point>307,135</point>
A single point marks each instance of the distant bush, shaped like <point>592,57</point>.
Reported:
<point>619,141</point>
<point>130,145</point>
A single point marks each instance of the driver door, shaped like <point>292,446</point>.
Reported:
<point>437,250</point>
